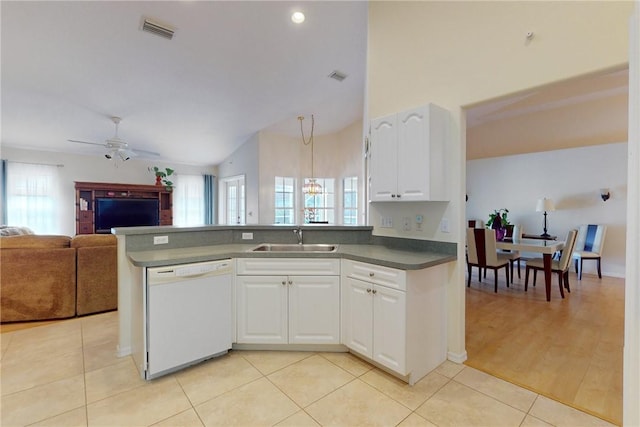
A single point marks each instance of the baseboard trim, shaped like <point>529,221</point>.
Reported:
<point>457,357</point>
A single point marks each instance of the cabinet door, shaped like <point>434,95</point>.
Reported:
<point>383,159</point>
<point>358,316</point>
<point>314,309</point>
<point>261,309</point>
<point>413,154</point>
<point>389,328</point>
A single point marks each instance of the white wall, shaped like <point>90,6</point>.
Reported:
<point>245,161</point>
<point>93,169</point>
<point>572,179</point>
<point>336,155</point>
<point>456,54</point>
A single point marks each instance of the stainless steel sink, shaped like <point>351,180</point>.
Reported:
<point>286,247</point>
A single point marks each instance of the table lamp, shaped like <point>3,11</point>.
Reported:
<point>545,205</point>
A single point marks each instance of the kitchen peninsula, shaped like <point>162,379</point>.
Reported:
<point>386,296</point>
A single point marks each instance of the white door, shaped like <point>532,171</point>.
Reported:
<point>314,309</point>
<point>384,159</point>
<point>262,309</point>
<point>358,321</point>
<point>389,328</point>
<point>413,154</point>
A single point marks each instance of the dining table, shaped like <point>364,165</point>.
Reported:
<point>545,247</point>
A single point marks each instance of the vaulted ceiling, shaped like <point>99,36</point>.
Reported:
<point>233,68</point>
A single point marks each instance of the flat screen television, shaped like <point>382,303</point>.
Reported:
<point>112,212</point>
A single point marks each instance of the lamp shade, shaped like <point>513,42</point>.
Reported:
<point>545,205</point>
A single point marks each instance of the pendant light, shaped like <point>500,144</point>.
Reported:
<point>310,187</point>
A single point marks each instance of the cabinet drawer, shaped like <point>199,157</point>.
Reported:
<point>85,216</point>
<point>377,274</point>
<point>288,266</point>
<point>85,228</point>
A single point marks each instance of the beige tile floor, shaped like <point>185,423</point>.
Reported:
<point>67,374</point>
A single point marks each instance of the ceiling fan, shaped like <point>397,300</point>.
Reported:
<point>118,149</point>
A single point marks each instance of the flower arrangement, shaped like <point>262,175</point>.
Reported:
<point>498,219</point>
<point>161,176</point>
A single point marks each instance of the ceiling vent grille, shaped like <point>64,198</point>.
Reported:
<point>338,75</point>
<point>157,29</point>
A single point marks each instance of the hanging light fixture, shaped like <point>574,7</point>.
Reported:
<point>311,186</point>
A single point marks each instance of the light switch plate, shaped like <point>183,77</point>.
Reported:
<point>386,222</point>
<point>247,236</point>
<point>444,225</point>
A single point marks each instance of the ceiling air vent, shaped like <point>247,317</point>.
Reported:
<point>157,29</point>
<point>338,75</point>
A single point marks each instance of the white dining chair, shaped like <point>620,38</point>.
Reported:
<point>560,266</point>
<point>482,253</point>
<point>589,245</point>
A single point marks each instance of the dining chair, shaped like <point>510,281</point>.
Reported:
<point>482,253</point>
<point>589,245</point>
<point>514,233</point>
<point>475,223</point>
<point>560,266</point>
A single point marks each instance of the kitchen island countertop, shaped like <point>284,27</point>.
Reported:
<point>404,259</point>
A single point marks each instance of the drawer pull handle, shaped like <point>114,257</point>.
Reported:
<point>371,274</point>
<point>375,292</point>
<point>368,291</point>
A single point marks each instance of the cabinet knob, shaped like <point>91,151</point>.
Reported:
<point>371,274</point>
<point>368,291</point>
<point>284,282</point>
<point>393,196</point>
<point>399,195</point>
<point>290,282</point>
<point>375,292</point>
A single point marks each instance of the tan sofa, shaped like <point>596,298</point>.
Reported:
<point>56,277</point>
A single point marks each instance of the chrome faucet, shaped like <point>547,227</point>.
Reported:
<point>298,232</point>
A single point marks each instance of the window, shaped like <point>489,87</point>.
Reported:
<point>350,200</point>
<point>284,200</point>
<point>320,207</point>
<point>232,201</point>
<point>188,200</point>
<point>33,194</point>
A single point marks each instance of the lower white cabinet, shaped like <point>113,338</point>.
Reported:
<point>395,318</point>
<point>375,323</point>
<point>277,308</point>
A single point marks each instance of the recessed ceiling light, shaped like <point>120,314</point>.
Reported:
<point>297,17</point>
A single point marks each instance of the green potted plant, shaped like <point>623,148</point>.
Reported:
<point>498,221</point>
<point>161,176</point>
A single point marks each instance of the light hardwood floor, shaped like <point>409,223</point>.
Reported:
<point>569,350</point>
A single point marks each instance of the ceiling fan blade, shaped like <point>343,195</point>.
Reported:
<point>86,142</point>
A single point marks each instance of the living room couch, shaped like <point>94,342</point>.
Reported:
<point>55,277</point>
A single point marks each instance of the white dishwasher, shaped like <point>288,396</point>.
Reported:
<point>188,315</point>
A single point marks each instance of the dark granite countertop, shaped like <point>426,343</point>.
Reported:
<point>404,259</point>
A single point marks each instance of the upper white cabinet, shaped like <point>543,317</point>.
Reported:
<point>408,155</point>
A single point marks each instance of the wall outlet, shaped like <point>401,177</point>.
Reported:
<point>160,240</point>
<point>386,222</point>
<point>247,236</point>
<point>406,223</point>
<point>444,225</point>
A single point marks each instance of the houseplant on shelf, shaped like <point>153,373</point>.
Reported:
<point>161,176</point>
<point>498,221</point>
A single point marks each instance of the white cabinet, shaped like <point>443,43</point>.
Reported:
<point>294,301</point>
<point>395,318</point>
<point>408,155</point>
